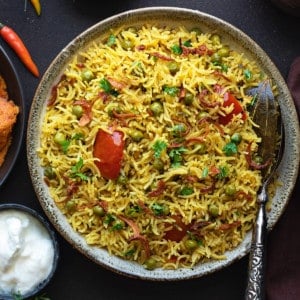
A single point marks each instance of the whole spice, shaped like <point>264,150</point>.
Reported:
<point>15,42</point>
<point>37,6</point>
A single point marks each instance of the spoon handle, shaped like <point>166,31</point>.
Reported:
<point>256,273</point>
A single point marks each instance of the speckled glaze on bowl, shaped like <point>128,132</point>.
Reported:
<point>288,168</point>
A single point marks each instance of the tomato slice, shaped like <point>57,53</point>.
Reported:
<point>178,231</point>
<point>230,99</point>
<point>108,148</point>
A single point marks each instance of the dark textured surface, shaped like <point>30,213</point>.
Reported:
<point>77,277</point>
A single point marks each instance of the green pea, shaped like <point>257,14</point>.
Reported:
<point>158,164</point>
<point>113,107</point>
<point>126,44</point>
<point>216,58</point>
<point>190,244</point>
<point>215,38</point>
<point>150,263</point>
<point>59,138</point>
<point>49,172</point>
<point>230,190</point>
<point>236,138</point>
<point>160,209</point>
<point>224,51</point>
<point>188,98</point>
<point>132,211</point>
<point>87,75</point>
<point>70,206</point>
<point>99,211</point>
<point>166,210</point>
<point>77,110</point>
<point>156,108</point>
<point>173,67</point>
<point>213,210</point>
<point>118,224</point>
<point>136,135</point>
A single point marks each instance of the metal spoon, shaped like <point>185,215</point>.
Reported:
<point>266,114</point>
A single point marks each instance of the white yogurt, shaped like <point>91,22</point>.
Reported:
<point>26,252</point>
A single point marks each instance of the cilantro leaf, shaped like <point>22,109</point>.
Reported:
<point>75,170</point>
<point>185,191</point>
<point>106,86</point>
<point>176,156</point>
<point>247,74</point>
<point>158,147</point>
<point>65,145</point>
<point>187,43</point>
<point>171,90</point>
<point>159,209</point>
<point>224,170</point>
<point>176,49</point>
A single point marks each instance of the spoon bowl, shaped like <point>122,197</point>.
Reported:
<point>266,115</point>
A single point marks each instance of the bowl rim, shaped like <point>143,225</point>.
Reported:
<point>54,71</point>
<point>19,126</point>
<point>46,225</point>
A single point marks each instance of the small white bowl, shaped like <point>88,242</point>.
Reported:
<point>25,236</point>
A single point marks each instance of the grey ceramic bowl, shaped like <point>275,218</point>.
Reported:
<point>15,91</point>
<point>11,207</point>
<point>288,169</point>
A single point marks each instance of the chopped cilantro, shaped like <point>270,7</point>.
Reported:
<point>223,67</point>
<point>137,69</point>
<point>176,156</point>
<point>223,172</point>
<point>108,219</point>
<point>65,145</point>
<point>187,43</point>
<point>171,90</point>
<point>106,86</point>
<point>130,252</point>
<point>133,211</point>
<point>117,225</point>
<point>158,147</point>
<point>185,191</point>
<point>247,74</point>
<point>77,136</point>
<point>75,170</point>
<point>253,101</point>
<point>176,49</point>
<point>159,209</point>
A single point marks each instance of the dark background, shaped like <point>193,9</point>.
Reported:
<point>61,20</point>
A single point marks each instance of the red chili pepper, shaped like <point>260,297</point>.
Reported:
<point>229,99</point>
<point>15,42</point>
<point>108,148</point>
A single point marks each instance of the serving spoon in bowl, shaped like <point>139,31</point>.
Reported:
<point>266,114</point>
